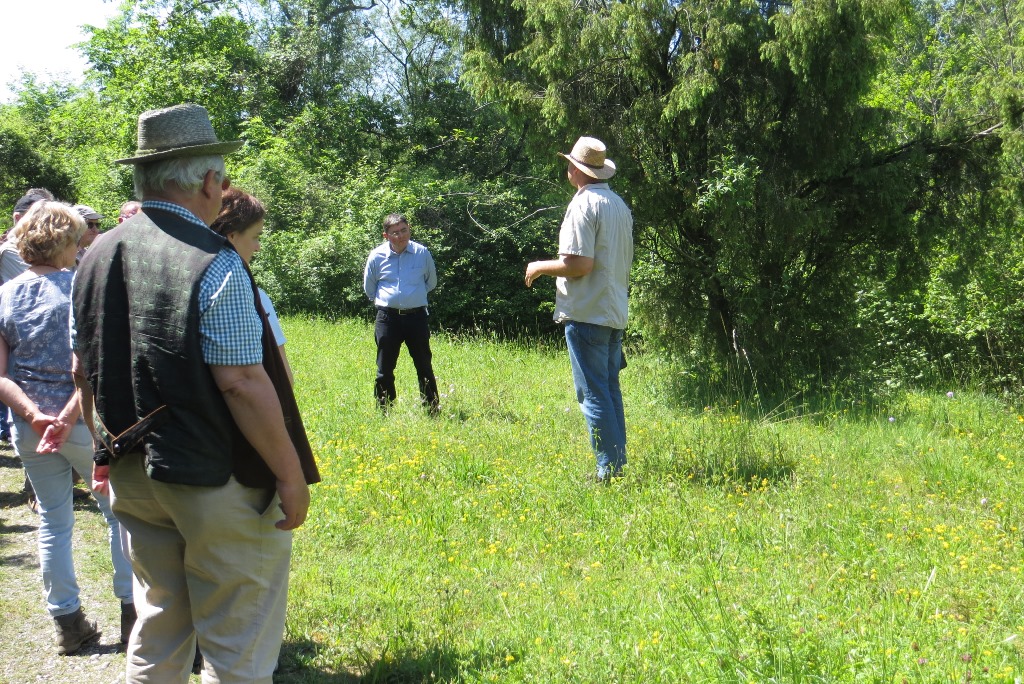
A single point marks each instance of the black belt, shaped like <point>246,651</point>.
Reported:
<point>402,312</point>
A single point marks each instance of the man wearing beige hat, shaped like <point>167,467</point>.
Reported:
<point>197,433</point>
<point>595,254</point>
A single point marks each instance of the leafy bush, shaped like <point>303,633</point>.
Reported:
<point>975,311</point>
<point>23,169</point>
<point>481,235</point>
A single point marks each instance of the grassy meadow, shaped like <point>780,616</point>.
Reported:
<point>475,547</point>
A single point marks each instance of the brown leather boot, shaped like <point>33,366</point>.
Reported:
<point>74,631</point>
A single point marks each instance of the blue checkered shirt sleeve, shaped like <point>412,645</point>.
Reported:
<point>230,329</point>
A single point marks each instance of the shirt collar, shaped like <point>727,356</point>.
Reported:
<point>386,245</point>
<point>175,209</point>
<point>591,186</point>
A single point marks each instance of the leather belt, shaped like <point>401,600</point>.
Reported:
<point>402,312</point>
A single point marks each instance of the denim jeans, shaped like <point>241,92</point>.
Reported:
<point>595,353</point>
<point>50,475</point>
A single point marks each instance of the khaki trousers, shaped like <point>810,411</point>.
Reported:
<point>209,565</point>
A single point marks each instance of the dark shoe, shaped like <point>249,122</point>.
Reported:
<point>197,662</point>
<point>74,631</point>
<point>128,617</point>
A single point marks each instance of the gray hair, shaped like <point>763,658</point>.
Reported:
<point>185,172</point>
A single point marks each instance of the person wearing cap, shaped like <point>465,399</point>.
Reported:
<point>397,277</point>
<point>595,255</point>
<point>92,228</point>
<point>197,433</point>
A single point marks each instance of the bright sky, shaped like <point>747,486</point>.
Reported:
<point>38,35</point>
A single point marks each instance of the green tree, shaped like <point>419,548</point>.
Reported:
<point>21,168</point>
<point>765,185</point>
<point>55,120</point>
<point>959,78</point>
<point>156,54</point>
<point>314,49</point>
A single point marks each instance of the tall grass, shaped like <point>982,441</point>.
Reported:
<point>474,547</point>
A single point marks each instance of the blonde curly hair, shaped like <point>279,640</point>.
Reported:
<point>45,231</point>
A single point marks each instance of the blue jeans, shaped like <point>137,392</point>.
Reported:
<point>50,475</point>
<point>595,352</point>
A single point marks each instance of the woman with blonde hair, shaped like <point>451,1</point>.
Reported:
<point>48,433</point>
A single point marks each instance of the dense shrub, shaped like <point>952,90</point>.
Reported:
<point>481,235</point>
<point>24,168</point>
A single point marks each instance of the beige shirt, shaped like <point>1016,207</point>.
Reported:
<point>599,225</point>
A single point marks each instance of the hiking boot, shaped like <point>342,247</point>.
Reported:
<point>73,632</point>
<point>128,617</point>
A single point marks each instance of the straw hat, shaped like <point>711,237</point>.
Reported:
<point>588,155</point>
<point>180,131</point>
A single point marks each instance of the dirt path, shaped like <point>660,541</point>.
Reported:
<point>27,650</point>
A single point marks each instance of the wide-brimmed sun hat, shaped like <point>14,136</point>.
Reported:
<point>588,155</point>
<point>180,131</point>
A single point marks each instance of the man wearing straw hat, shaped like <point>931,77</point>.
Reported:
<point>196,430</point>
<point>595,254</point>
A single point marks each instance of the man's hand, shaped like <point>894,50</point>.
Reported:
<point>101,479</point>
<point>294,503</point>
<point>253,403</point>
<point>532,271</point>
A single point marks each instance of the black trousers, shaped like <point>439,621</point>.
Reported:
<point>391,330</point>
